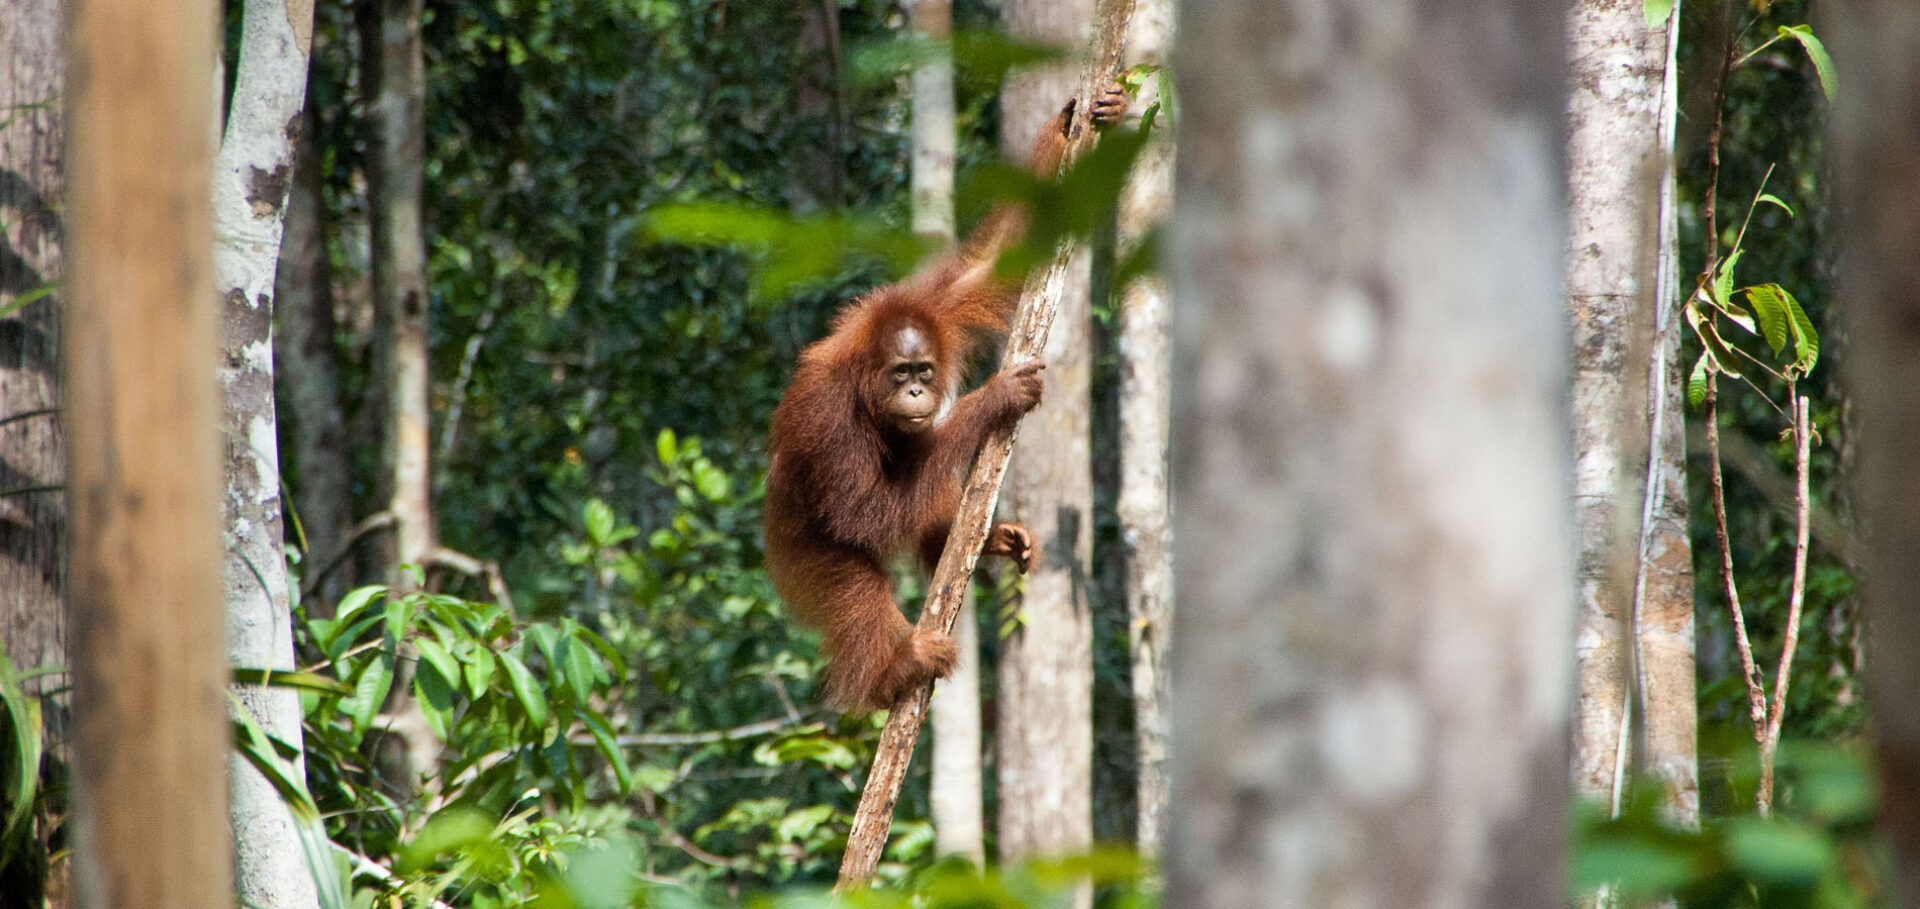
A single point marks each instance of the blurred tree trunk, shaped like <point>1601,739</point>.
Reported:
<point>307,348</point>
<point>1635,640</point>
<point>1142,505</point>
<point>33,513</point>
<point>151,734</point>
<point>959,827</point>
<point>817,181</point>
<point>1876,128</point>
<point>1370,663</point>
<point>1044,734</point>
<point>395,84</point>
<point>252,174</point>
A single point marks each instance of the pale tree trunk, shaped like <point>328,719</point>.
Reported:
<point>151,733</point>
<point>252,175</point>
<point>1142,504</point>
<point>396,83</point>
<point>308,353</point>
<point>1372,548</point>
<point>1876,127</point>
<point>32,511</point>
<point>394,79</point>
<point>958,825</point>
<point>1044,734</point>
<point>1635,640</point>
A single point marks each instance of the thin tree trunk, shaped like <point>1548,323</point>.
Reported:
<point>308,351</point>
<point>1876,129</point>
<point>1044,733</point>
<point>33,514</point>
<point>1142,505</point>
<point>1635,643</point>
<point>252,175</point>
<point>959,826</point>
<point>395,82</point>
<point>816,180</point>
<point>150,722</point>
<point>1371,542</point>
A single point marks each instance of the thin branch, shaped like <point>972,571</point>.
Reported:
<point>1039,301</point>
<point>676,739</point>
<point>1756,691</point>
<point>454,560</point>
<point>1796,599</point>
<point>379,520</point>
<point>1757,467</point>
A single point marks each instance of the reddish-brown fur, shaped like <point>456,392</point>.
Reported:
<point>847,493</point>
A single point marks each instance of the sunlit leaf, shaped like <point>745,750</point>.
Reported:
<point>1658,11</point>
<point>609,748</point>
<point>1771,198</point>
<point>1817,52</point>
<point>1806,340</point>
<point>524,689</point>
<point>1697,383</point>
<point>1770,305</point>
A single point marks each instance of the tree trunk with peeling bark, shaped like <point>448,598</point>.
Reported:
<point>1876,131</point>
<point>32,455</point>
<point>1044,732</point>
<point>252,176</point>
<point>1371,543</point>
<point>959,825</point>
<point>1142,505</point>
<point>1635,641</point>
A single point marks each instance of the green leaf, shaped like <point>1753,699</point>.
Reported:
<point>1697,383</point>
<point>1636,867</point>
<point>369,692</point>
<point>1723,278</point>
<point>264,754</point>
<point>435,693</point>
<point>288,678</point>
<point>712,482</point>
<point>795,826</point>
<point>458,831</point>
<point>22,762</point>
<point>1817,52</point>
<point>1770,197</point>
<point>609,748</point>
<point>524,689</point>
<point>1806,340</point>
<point>579,670</point>
<point>20,302</point>
<point>818,749</point>
<point>477,668</point>
<point>356,600</point>
<point>1770,306</point>
<point>436,653</point>
<point>598,517</point>
<point>1779,851</point>
<point>1658,12</point>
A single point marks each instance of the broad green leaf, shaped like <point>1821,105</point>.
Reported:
<point>1724,359</point>
<point>666,445</point>
<point>353,602</point>
<point>1723,278</point>
<point>1770,305</point>
<point>457,831</point>
<point>655,778</point>
<point>712,482</point>
<point>1635,867</point>
<point>1770,197</point>
<point>609,748</point>
<point>1806,340</point>
<point>598,517</point>
<point>795,826</point>
<point>436,653</point>
<point>1817,52</point>
<point>477,669</point>
<point>524,689</point>
<point>1780,851</point>
<point>435,692</point>
<point>369,692</point>
<point>579,670</point>
<point>1697,383</point>
<point>1658,12</point>
<point>816,748</point>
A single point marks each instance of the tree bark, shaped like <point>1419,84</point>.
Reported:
<point>1876,130</point>
<point>33,513</point>
<point>1635,641</point>
<point>959,825</point>
<point>395,80</point>
<point>150,722</point>
<point>252,175</point>
<point>1370,661</point>
<point>308,351</point>
<point>1142,504</point>
<point>1044,733</point>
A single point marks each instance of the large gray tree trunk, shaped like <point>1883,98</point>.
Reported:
<point>1142,505</point>
<point>252,175</point>
<point>1044,734</point>
<point>151,734</point>
<point>32,513</point>
<point>1372,546</point>
<point>959,825</point>
<point>1876,127</point>
<point>1635,639</point>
